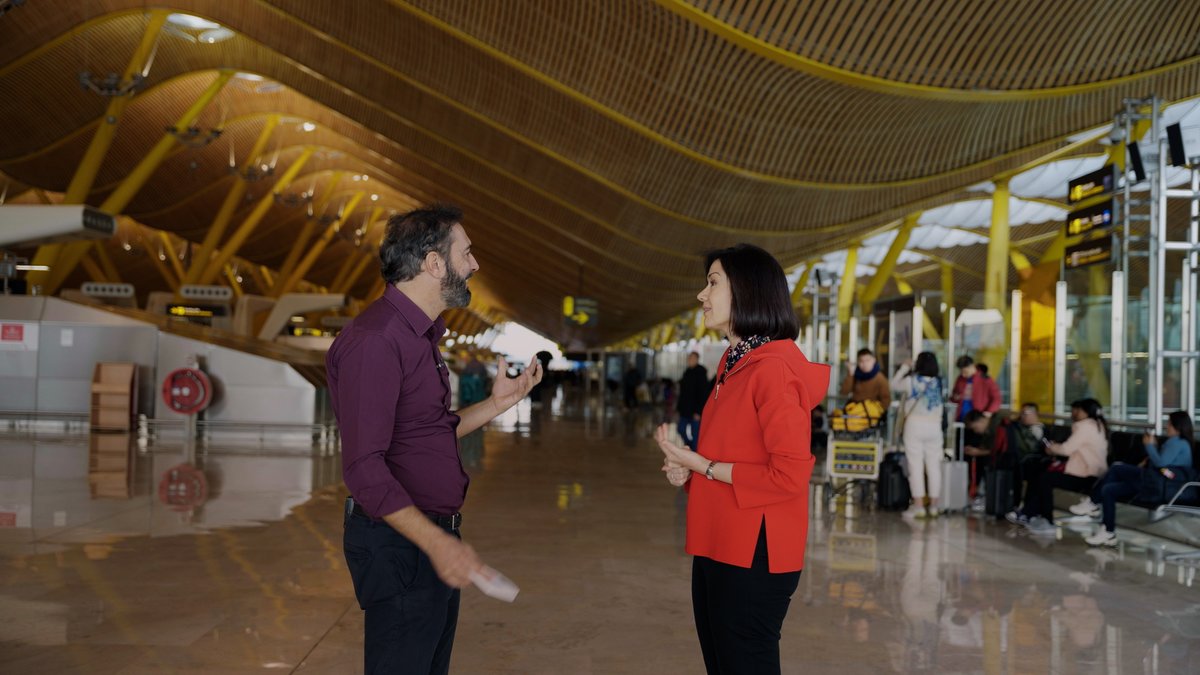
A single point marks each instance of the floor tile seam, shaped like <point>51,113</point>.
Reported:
<point>349,606</point>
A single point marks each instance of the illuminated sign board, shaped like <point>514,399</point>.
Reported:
<point>1089,253</point>
<point>1099,182</point>
<point>196,313</point>
<point>1091,218</point>
<point>580,311</point>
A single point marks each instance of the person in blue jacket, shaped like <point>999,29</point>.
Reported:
<point>1122,481</point>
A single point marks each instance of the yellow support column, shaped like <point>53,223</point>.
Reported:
<point>232,201</point>
<point>875,286</point>
<point>947,296</point>
<point>85,174</point>
<point>995,280</point>
<point>260,210</point>
<point>129,187</point>
<point>848,281</point>
<point>289,282</point>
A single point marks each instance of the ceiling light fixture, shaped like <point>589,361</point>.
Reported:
<point>210,37</point>
<point>192,22</point>
<point>193,136</point>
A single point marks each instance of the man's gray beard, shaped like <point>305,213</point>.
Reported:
<point>455,292</point>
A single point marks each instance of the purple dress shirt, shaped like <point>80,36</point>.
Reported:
<point>391,394</point>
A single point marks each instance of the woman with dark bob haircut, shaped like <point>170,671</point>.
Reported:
<point>747,517</point>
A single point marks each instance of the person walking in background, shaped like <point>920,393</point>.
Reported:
<point>693,393</point>
<point>747,483</point>
<point>390,391</point>
<point>866,381</point>
<point>1123,481</point>
<point>922,434</point>
<point>1086,453</point>
<point>630,384</point>
<point>974,391</point>
<point>472,388</point>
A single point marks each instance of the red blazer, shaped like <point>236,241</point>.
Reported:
<point>759,419</point>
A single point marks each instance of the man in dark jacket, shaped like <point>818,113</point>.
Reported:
<point>693,393</point>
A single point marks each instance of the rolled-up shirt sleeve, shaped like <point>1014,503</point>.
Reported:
<point>369,378</point>
<point>786,425</point>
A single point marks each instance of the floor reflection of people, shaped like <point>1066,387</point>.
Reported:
<point>921,593</point>
<point>1080,616</point>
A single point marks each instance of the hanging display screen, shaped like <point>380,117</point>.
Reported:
<point>1099,182</point>
<point>1089,253</point>
<point>1096,217</point>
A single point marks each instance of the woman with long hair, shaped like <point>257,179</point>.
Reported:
<point>1086,453</point>
<point>747,482</point>
<point>1123,480</point>
<point>923,439</point>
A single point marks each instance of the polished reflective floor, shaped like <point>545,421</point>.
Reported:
<point>116,559</point>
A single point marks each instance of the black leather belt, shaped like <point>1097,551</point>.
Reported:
<point>450,522</point>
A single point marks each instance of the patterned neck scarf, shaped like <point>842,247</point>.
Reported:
<point>742,349</point>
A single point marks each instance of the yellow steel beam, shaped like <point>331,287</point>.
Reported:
<point>875,286</point>
<point>254,218</point>
<point>106,262</point>
<point>159,264</point>
<point>801,284</point>
<point>348,266</point>
<point>172,255</point>
<point>91,267</point>
<point>93,157</point>
<point>234,284</point>
<point>1020,262</point>
<point>902,285</point>
<point>128,189</point>
<point>233,200</point>
<point>289,282</point>
<point>848,281</point>
<point>357,272</point>
<point>89,166</point>
<point>310,226</point>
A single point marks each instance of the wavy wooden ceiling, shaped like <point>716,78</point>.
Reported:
<point>620,138</point>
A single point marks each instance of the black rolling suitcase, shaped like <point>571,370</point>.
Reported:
<point>893,492</point>
<point>998,484</point>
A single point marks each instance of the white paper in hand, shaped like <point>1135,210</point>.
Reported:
<point>495,585</point>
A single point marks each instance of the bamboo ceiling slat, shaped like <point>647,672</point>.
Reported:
<point>617,136</point>
<point>1149,34</point>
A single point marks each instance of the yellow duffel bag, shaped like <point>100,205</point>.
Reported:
<point>857,416</point>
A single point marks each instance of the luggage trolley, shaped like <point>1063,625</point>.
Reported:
<point>853,457</point>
